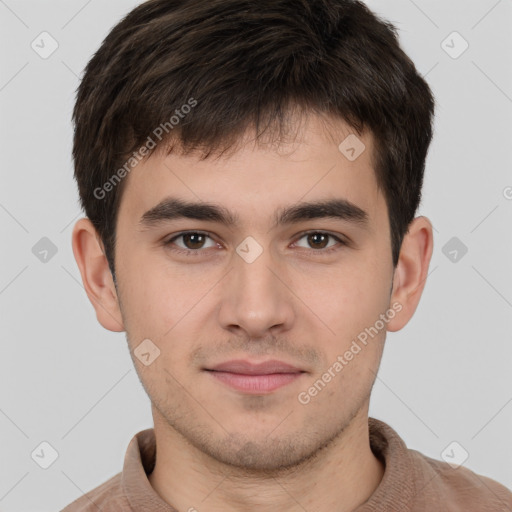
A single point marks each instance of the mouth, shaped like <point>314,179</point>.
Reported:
<point>255,378</point>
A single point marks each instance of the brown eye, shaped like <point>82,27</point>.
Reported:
<point>193,242</point>
<point>318,241</point>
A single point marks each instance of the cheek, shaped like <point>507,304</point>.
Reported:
<point>166,306</point>
<point>350,298</point>
<point>157,294</point>
<point>350,304</point>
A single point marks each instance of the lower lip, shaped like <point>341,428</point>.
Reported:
<point>256,383</point>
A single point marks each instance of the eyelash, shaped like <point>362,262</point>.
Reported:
<point>198,252</point>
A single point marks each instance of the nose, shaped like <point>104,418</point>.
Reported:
<point>257,297</point>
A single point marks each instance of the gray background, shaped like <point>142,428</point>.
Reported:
<point>65,380</point>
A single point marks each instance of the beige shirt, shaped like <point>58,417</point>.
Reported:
<point>412,482</point>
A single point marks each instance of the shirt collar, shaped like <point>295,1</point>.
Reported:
<point>139,462</point>
<point>397,488</point>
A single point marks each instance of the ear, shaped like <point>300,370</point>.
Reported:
<point>96,276</point>
<point>411,271</point>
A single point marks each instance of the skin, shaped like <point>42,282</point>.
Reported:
<point>262,452</point>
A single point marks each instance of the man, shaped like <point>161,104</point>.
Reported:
<point>250,173</point>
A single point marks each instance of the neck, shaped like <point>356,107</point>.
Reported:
<point>341,477</point>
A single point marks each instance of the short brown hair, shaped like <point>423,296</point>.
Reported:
<point>245,64</point>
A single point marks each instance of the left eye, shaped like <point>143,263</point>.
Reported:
<point>320,237</point>
<point>193,241</point>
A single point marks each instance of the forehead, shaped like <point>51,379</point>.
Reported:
<point>325,160</point>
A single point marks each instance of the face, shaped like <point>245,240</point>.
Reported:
<point>297,289</point>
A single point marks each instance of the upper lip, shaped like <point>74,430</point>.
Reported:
<point>247,368</point>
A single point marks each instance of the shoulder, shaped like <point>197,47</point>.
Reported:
<point>108,496</point>
<point>460,489</point>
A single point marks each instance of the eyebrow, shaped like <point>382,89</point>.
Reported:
<point>174,208</point>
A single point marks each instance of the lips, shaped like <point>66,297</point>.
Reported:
<point>255,378</point>
<point>242,367</point>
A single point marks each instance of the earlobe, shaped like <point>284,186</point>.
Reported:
<point>412,270</point>
<point>96,275</point>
